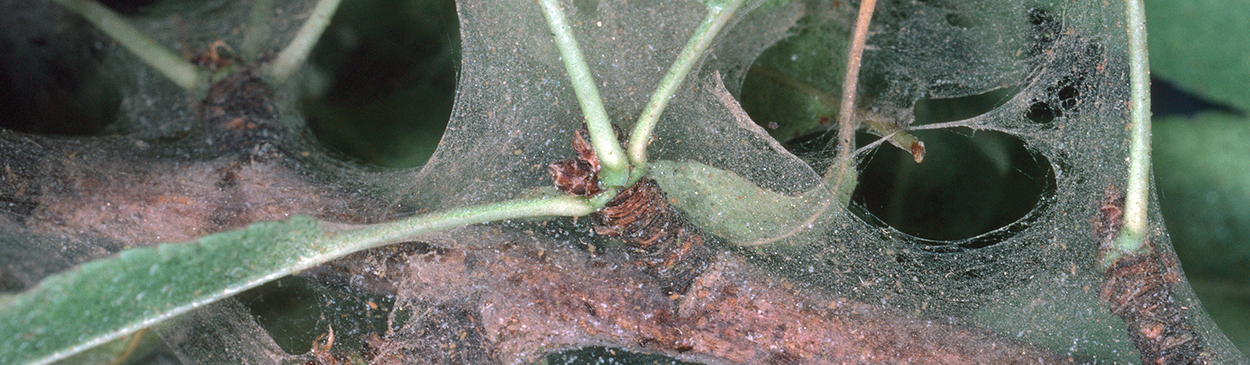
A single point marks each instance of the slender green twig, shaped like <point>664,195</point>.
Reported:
<point>1136,199</point>
<point>850,84</point>
<point>709,28</point>
<point>257,28</point>
<point>896,135</point>
<point>181,72</point>
<point>615,168</point>
<point>555,206</point>
<point>297,51</point>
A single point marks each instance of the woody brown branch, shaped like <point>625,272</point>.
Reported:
<point>528,300</point>
<point>1140,292</point>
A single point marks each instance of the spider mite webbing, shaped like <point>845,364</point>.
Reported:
<point>1059,67</point>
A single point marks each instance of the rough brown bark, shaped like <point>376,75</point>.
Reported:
<point>1139,290</point>
<point>526,300</point>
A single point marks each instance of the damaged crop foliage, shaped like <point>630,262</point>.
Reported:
<point>733,239</point>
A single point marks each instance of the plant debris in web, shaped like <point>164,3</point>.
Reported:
<point>672,249</point>
<point>1138,286</point>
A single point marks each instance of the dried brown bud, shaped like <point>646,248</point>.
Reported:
<point>574,176</point>
<point>586,152</point>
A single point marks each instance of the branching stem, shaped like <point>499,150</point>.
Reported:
<point>181,72</point>
<point>293,56</point>
<point>615,168</point>
<point>709,28</point>
<point>1137,197</point>
<point>896,135</point>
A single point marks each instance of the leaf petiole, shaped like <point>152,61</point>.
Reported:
<point>257,28</point>
<point>615,168</point>
<point>1136,199</point>
<point>716,18</point>
<point>296,52</point>
<point>182,73</point>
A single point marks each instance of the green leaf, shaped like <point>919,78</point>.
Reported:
<point>1199,45</point>
<point>794,86</point>
<point>64,313</point>
<point>733,208</point>
<point>72,311</point>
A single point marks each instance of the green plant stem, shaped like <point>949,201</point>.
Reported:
<point>709,28</point>
<point>181,72</point>
<point>837,175</point>
<point>896,135</point>
<point>293,56</point>
<point>117,296</point>
<point>556,206</point>
<point>614,167</point>
<point>1136,199</point>
<point>257,28</point>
